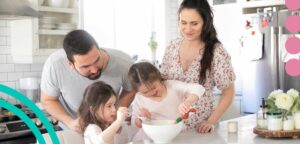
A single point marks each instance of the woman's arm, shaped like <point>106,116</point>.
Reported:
<point>226,99</point>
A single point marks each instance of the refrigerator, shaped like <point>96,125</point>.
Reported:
<point>264,56</point>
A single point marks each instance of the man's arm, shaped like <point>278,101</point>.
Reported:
<point>55,109</point>
<point>126,98</point>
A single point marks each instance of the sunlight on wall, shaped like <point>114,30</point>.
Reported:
<point>126,25</point>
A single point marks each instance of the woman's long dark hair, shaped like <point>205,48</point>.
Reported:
<point>95,96</point>
<point>208,33</point>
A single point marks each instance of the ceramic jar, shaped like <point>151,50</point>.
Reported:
<point>297,120</point>
<point>288,123</point>
<point>274,121</point>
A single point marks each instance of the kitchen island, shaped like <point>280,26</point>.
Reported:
<point>244,135</point>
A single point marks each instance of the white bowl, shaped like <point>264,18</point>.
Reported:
<point>162,131</point>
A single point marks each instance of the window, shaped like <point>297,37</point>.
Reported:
<point>126,24</point>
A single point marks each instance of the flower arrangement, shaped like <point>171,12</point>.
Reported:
<point>285,103</point>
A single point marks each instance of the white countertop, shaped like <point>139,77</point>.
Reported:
<point>245,135</point>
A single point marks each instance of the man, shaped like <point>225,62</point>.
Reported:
<point>68,72</point>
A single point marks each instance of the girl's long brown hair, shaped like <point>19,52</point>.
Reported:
<point>95,96</point>
<point>143,73</point>
<point>208,33</point>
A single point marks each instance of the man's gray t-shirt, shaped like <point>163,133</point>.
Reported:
<point>60,80</point>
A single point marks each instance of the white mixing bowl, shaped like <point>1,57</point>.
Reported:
<point>162,131</point>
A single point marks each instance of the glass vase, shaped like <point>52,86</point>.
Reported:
<point>153,56</point>
<point>261,119</point>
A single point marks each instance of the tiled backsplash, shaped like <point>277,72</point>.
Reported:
<point>171,20</point>
<point>10,73</point>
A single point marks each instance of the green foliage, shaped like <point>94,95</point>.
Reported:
<point>152,43</point>
<point>271,105</point>
<point>296,105</point>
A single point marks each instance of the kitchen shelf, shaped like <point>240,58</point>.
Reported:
<point>53,32</point>
<point>32,42</point>
<point>262,3</point>
<point>58,10</point>
<point>251,6</point>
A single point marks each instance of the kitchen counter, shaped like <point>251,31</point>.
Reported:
<point>245,135</point>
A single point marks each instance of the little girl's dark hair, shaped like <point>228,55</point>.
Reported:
<point>143,73</point>
<point>95,96</point>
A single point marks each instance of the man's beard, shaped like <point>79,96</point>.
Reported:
<point>94,77</point>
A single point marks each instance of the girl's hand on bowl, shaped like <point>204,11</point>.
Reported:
<point>145,113</point>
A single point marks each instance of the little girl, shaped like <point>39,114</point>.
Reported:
<point>157,98</point>
<point>99,119</point>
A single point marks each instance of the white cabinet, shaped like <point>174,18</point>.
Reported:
<point>34,39</point>
<point>261,3</point>
<point>252,5</point>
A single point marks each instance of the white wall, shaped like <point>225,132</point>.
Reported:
<point>229,26</point>
<point>10,73</point>
<point>127,25</point>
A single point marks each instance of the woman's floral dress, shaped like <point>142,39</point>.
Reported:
<point>221,75</point>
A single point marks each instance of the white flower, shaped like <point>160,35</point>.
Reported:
<point>274,93</point>
<point>294,93</point>
<point>284,101</point>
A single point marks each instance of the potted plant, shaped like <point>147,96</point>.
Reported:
<point>280,106</point>
<point>153,46</point>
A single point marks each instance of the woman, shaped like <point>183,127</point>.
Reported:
<point>199,57</point>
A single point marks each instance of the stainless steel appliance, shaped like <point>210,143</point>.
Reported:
<point>12,128</point>
<point>266,73</point>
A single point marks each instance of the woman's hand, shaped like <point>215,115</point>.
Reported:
<point>122,113</point>
<point>205,127</point>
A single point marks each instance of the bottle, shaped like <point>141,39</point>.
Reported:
<point>185,116</point>
<point>261,117</point>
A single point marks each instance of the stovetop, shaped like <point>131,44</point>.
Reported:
<point>11,127</point>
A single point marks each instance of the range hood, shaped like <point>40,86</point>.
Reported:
<point>16,9</point>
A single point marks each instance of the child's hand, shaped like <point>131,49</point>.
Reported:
<point>138,122</point>
<point>121,113</point>
<point>184,108</point>
<point>145,113</point>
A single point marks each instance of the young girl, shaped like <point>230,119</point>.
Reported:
<point>157,98</point>
<point>99,119</point>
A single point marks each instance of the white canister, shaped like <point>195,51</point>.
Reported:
<point>274,121</point>
<point>297,120</point>
<point>288,124</point>
<point>232,127</point>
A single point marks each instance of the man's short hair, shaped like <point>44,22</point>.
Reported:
<point>78,42</point>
